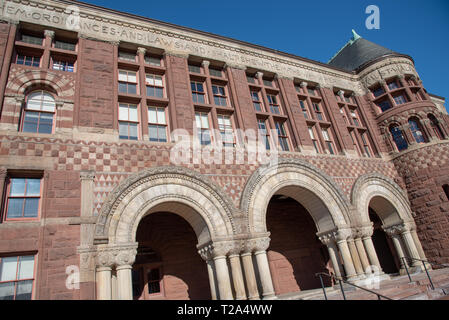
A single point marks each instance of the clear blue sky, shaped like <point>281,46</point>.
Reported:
<point>317,29</point>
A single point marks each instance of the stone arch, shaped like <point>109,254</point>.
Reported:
<point>319,195</point>
<point>173,189</point>
<point>61,85</point>
<point>383,194</point>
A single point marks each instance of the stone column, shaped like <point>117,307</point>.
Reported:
<point>219,251</point>
<point>366,233</point>
<point>362,253</point>
<point>104,262</point>
<point>342,236</point>
<point>418,244</point>
<point>206,254</point>
<point>261,246</point>
<point>410,245</point>
<point>328,240</point>
<point>124,260</point>
<point>355,257</point>
<point>394,233</point>
<point>49,36</point>
<point>237,274</point>
<point>250,276</point>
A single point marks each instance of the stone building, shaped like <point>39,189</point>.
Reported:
<point>90,181</point>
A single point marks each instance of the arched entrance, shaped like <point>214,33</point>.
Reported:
<point>294,198</point>
<point>384,247</point>
<point>295,254</point>
<point>152,225</point>
<point>168,266</point>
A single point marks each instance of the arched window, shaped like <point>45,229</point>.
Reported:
<point>436,126</point>
<point>417,131</point>
<point>39,113</point>
<point>398,138</point>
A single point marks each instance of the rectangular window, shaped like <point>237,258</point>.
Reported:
<point>393,85</point>
<point>194,69</point>
<point>274,105</point>
<point>256,101</point>
<point>226,130</point>
<point>251,79</point>
<point>400,99</point>
<point>153,61</point>
<point>202,124</point>
<point>378,91</point>
<point>263,129</point>
<point>32,61</point>
<point>155,86</point>
<point>16,278</point>
<point>348,99</point>
<point>355,142</point>
<point>311,91</point>
<point>355,118</point>
<point>343,113</point>
<point>23,199</point>
<point>318,112</point>
<point>305,112</point>
<point>32,39</point>
<point>384,105</point>
<point>128,121</point>
<point>220,98</point>
<point>328,141</point>
<point>198,94</point>
<point>366,145</point>
<point>314,140</point>
<point>65,45</point>
<point>122,55</point>
<point>63,66</point>
<point>127,82</point>
<point>154,281</point>
<point>268,83</point>
<point>282,135</point>
<point>215,72</point>
<point>157,124</point>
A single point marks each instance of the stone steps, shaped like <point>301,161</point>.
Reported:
<point>398,288</point>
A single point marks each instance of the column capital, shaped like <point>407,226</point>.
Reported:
<point>328,238</point>
<point>257,245</point>
<point>343,234</point>
<point>365,231</point>
<point>49,33</point>
<point>303,84</point>
<point>205,64</point>
<point>394,231</point>
<point>217,249</point>
<point>341,94</point>
<point>141,51</point>
<point>87,175</point>
<point>259,75</point>
<point>117,255</point>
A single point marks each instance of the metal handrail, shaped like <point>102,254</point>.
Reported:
<point>341,281</point>
<point>404,260</point>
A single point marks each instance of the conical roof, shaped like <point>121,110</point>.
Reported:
<point>357,52</point>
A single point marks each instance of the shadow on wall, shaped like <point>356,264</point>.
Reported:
<point>295,254</point>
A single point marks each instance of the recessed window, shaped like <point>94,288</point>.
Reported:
<point>366,146</point>
<point>311,91</point>
<point>343,113</point>
<point>256,101</point>
<point>282,136</point>
<point>378,91</point>
<point>65,45</point>
<point>251,79</point>
<point>318,112</point>
<point>328,141</point>
<point>128,122</point>
<point>400,99</point>
<point>417,131</point>
<point>153,61</point>
<point>27,60</point>
<point>127,82</point>
<point>264,132</point>
<point>39,113</point>
<point>155,86</point>
<point>384,105</point>
<point>16,278</point>
<point>434,123</point>
<point>314,139</point>
<point>216,72</point>
<point>220,97</point>
<point>32,39</point>
<point>355,118</point>
<point>398,138</point>
<point>268,83</point>
<point>157,124</point>
<point>63,65</point>
<point>198,94</point>
<point>127,56</point>
<point>23,199</point>
<point>226,130</point>
<point>393,85</point>
<point>274,105</point>
<point>304,109</point>
<point>203,126</point>
<point>194,68</point>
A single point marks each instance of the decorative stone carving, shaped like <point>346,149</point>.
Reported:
<point>303,85</point>
<point>205,64</point>
<point>343,234</point>
<point>257,245</point>
<point>141,51</point>
<point>119,255</point>
<point>259,75</point>
<point>394,231</point>
<point>365,232</point>
<point>87,175</point>
<point>49,33</point>
<point>328,238</point>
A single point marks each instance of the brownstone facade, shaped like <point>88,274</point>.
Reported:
<point>336,136</point>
